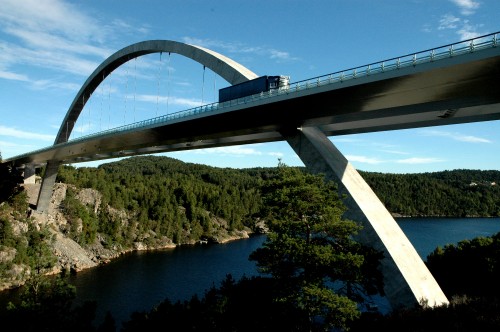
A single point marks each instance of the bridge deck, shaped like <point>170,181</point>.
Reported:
<point>436,90</point>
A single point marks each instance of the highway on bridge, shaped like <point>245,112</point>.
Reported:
<point>448,85</point>
<point>452,84</point>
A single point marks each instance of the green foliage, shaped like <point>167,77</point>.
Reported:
<point>173,199</point>
<point>246,305</point>
<point>83,222</point>
<point>463,314</point>
<point>31,247</point>
<point>7,237</point>
<point>185,202</point>
<point>39,249</point>
<point>457,193</point>
<point>310,249</point>
<point>46,304</point>
<point>476,261</point>
<point>10,178</point>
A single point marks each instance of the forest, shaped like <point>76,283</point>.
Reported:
<point>139,183</point>
<point>186,202</point>
<point>166,198</point>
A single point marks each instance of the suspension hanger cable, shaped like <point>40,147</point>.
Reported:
<point>102,97</point>
<point>215,87</point>
<point>135,83</point>
<point>158,92</point>
<point>81,122</point>
<point>90,104</point>
<point>168,80</point>
<point>203,85</point>
<point>109,103</point>
<point>126,94</point>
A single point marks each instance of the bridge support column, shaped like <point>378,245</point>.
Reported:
<point>47,186</point>
<point>407,281</point>
<point>29,173</point>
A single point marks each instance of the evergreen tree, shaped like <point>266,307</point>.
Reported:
<point>310,250</point>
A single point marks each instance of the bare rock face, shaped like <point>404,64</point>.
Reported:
<point>71,256</point>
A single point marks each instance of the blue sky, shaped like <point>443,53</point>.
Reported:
<point>48,48</point>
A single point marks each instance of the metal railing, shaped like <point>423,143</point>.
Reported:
<point>409,60</point>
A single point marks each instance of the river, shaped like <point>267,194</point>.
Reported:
<point>140,280</point>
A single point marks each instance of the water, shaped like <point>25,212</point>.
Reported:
<point>428,233</point>
<point>138,281</point>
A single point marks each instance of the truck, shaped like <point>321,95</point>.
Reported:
<point>255,86</point>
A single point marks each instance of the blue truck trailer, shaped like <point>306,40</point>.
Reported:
<point>255,86</point>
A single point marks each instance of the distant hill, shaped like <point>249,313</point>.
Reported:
<point>457,193</point>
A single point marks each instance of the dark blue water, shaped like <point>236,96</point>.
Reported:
<point>428,233</point>
<point>138,281</point>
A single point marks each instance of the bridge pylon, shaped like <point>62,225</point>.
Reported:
<point>407,281</point>
<point>47,186</point>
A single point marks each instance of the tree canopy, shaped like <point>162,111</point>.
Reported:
<point>310,251</point>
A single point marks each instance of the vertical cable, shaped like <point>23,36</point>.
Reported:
<point>135,82</point>
<point>102,97</point>
<point>215,88</point>
<point>126,95</point>
<point>168,81</point>
<point>158,92</point>
<point>109,104</point>
<point>90,104</point>
<point>203,85</point>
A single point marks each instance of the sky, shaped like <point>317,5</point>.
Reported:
<point>48,48</point>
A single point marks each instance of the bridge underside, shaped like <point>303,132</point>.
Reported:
<point>431,94</point>
<point>407,281</point>
<point>412,97</point>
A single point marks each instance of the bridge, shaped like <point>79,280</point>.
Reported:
<point>451,84</point>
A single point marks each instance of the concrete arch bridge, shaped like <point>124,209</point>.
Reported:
<point>451,84</point>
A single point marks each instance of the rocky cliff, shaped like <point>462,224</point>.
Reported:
<point>73,257</point>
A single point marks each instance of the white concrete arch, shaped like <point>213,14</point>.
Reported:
<point>225,67</point>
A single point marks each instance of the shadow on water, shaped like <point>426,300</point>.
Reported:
<point>140,280</point>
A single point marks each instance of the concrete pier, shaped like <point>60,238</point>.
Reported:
<point>29,174</point>
<point>407,281</point>
<point>47,186</point>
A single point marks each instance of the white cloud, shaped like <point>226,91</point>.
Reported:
<point>346,140</point>
<point>50,34</point>
<point>468,32</point>
<point>456,136</point>
<point>395,152</point>
<point>13,76</point>
<point>462,26</point>
<point>416,160</point>
<point>189,103</point>
<point>233,151</point>
<point>54,16</point>
<point>12,132</point>
<point>275,54</point>
<point>363,159</point>
<point>230,151</point>
<point>448,21</point>
<point>467,7</point>
<point>239,48</point>
<point>48,41</point>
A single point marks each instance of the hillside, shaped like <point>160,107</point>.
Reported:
<point>143,203</point>
<point>456,193</point>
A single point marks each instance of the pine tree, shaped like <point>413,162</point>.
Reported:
<point>310,250</point>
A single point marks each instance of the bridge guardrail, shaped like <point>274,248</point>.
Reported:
<point>412,59</point>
